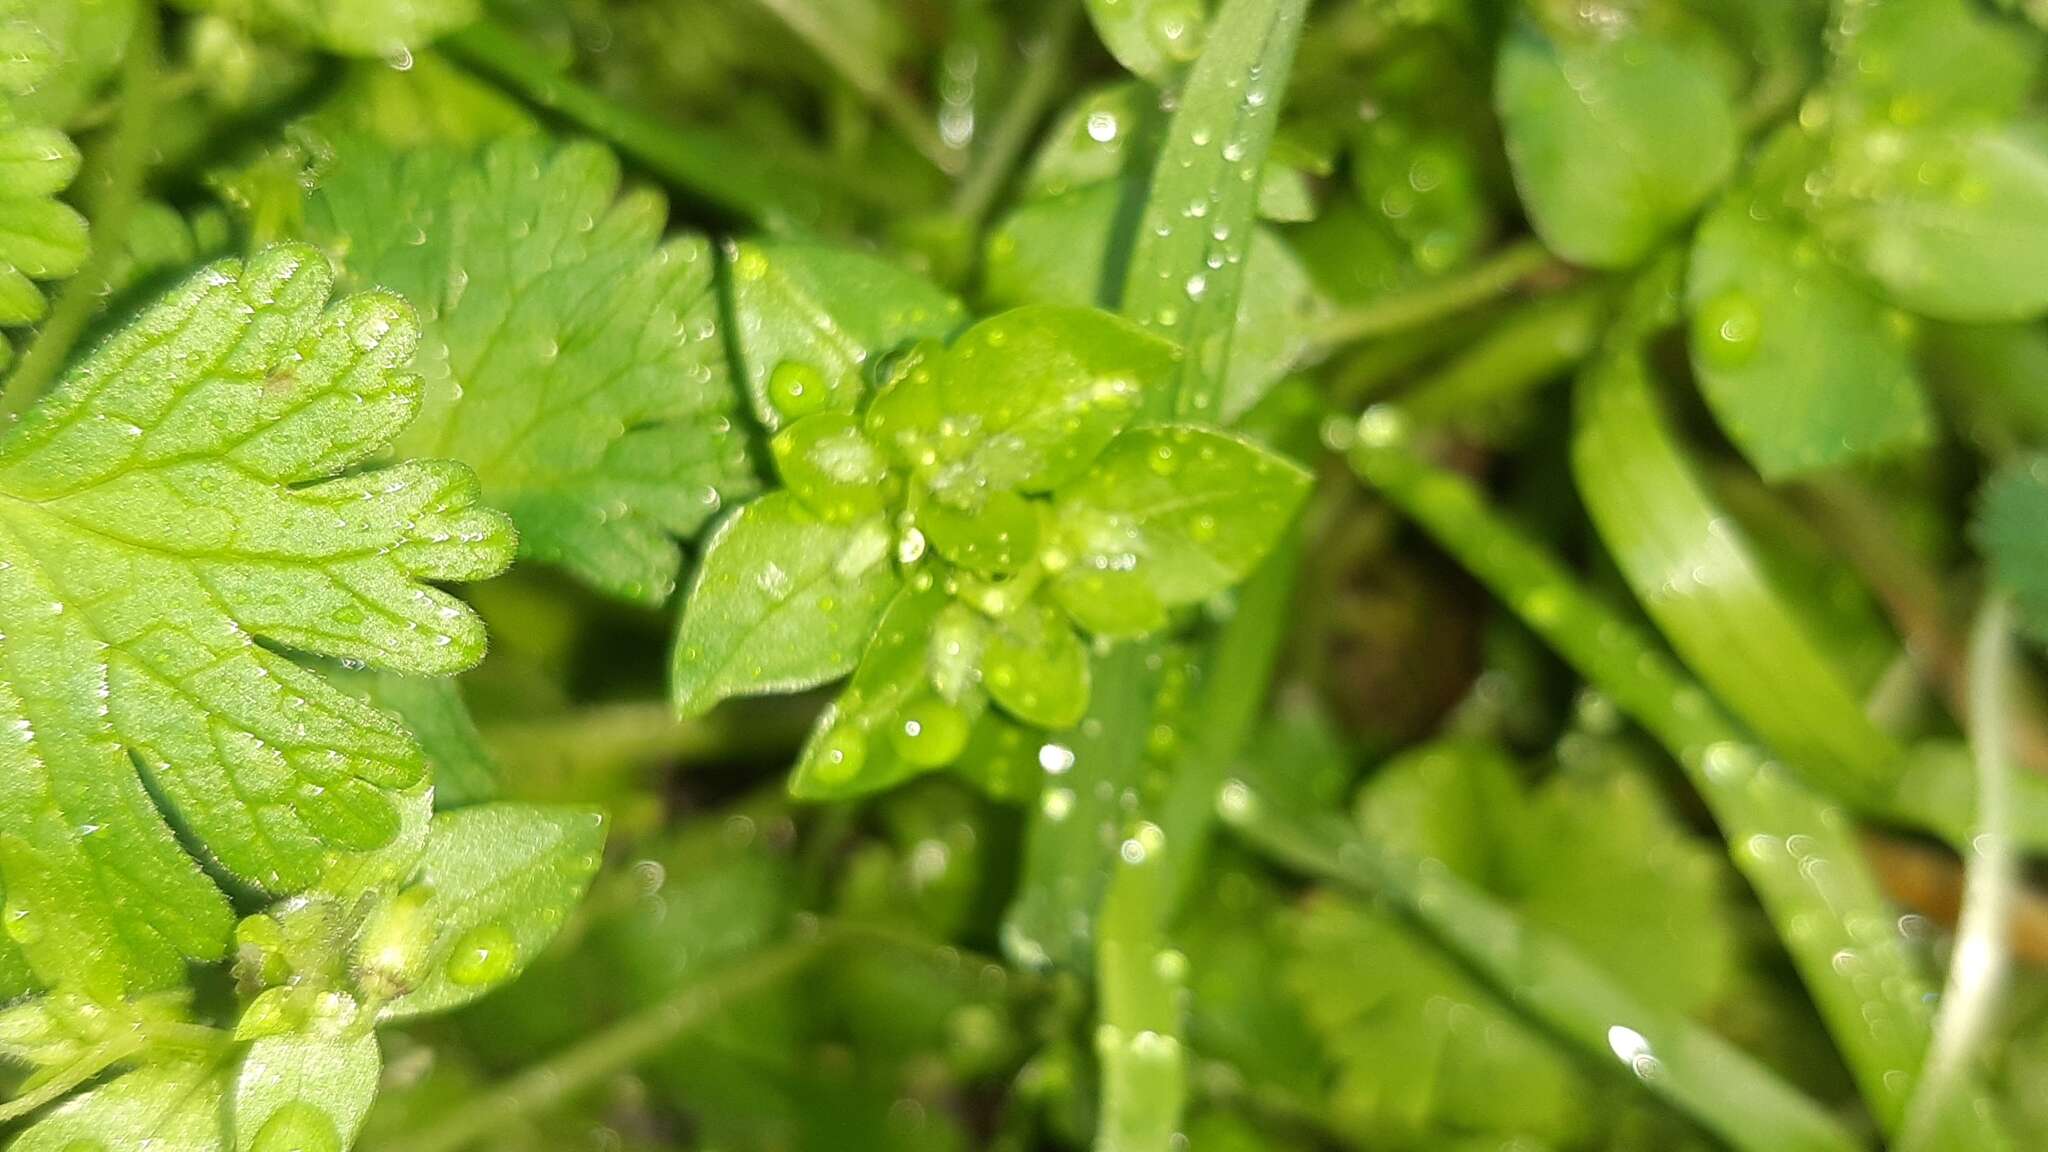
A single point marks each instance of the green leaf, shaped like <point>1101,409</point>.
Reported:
<point>1024,401</point>
<point>1036,668</point>
<point>1466,1061</point>
<point>1803,368</point>
<point>2011,530</point>
<point>1913,62</point>
<point>826,461</point>
<point>41,237</point>
<point>1952,223</point>
<point>498,882</point>
<point>358,27</point>
<point>891,722</point>
<point>171,503</point>
<point>463,770</point>
<point>782,601</point>
<point>1055,250</point>
<point>809,317</point>
<point>304,1092</point>
<point>63,52</point>
<point>1090,142</point>
<point>997,539</point>
<point>1153,38</point>
<point>170,1107</point>
<point>1615,136</point>
<point>1188,264</point>
<point>573,357</point>
<point>1169,516</point>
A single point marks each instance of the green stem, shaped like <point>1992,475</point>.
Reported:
<point>1484,281</point>
<point>1046,64</point>
<point>623,1045</point>
<point>113,208</point>
<point>1982,952</point>
<point>867,76</point>
<point>736,175</point>
<point>1529,347</point>
<point>1795,847</point>
<point>1688,1066</point>
<point>1141,984</point>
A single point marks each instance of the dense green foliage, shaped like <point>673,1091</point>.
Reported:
<point>1234,575</point>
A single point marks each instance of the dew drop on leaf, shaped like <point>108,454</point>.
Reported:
<point>485,955</point>
<point>298,1127</point>
<point>929,733</point>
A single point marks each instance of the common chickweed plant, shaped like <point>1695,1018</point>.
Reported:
<point>1246,576</point>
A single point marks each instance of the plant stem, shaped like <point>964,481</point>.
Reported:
<point>611,1051</point>
<point>1045,64</point>
<point>729,173</point>
<point>113,207</point>
<point>1529,347</point>
<point>1489,278</point>
<point>869,77</point>
<point>1795,847</point>
<point>1697,1072</point>
<point>1141,984</point>
<point>1982,953</point>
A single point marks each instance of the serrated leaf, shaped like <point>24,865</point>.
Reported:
<point>1803,367</point>
<point>573,357</point>
<point>499,880</point>
<point>1153,38</point>
<point>166,507</point>
<point>41,237</point>
<point>170,1107</point>
<point>890,723</point>
<point>1466,1060</point>
<point>1036,668</point>
<point>1615,136</point>
<point>69,48</point>
<point>1169,516</point>
<point>2011,530</point>
<point>463,769</point>
<point>304,1092</point>
<point>782,600</point>
<point>1023,401</point>
<point>1951,222</point>
<point>810,316</point>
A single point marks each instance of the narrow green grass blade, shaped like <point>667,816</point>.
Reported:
<point>1187,264</point>
<point>1713,1082</point>
<point>1798,850</point>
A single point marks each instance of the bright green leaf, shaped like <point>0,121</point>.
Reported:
<point>782,601</point>
<point>996,539</point>
<point>1913,62</point>
<point>171,1107</point>
<point>1804,369</point>
<point>1023,401</point>
<point>826,461</point>
<point>573,358</point>
<point>1169,516</point>
<point>168,505</point>
<point>1615,136</point>
<point>499,880</point>
<point>1952,223</point>
<point>357,27</point>
<point>1036,668</point>
<point>1153,38</point>
<point>810,316</point>
<point>891,722</point>
<point>302,1092</point>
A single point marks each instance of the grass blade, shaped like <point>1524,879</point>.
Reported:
<point>1796,848</point>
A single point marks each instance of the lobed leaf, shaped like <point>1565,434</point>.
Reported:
<point>572,357</point>
<point>304,1092</point>
<point>167,1107</point>
<point>169,505</point>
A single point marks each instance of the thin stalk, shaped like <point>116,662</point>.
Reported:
<point>1142,986</point>
<point>1715,1083</point>
<point>1795,847</point>
<point>1532,345</point>
<point>1495,276</point>
<point>113,207</point>
<point>1045,64</point>
<point>869,77</point>
<point>732,174</point>
<point>623,1045</point>
<point>1982,954</point>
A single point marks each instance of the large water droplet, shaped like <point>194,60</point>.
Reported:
<point>485,955</point>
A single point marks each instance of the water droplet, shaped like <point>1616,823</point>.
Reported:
<point>929,733</point>
<point>484,955</point>
<point>298,1126</point>
<point>1725,329</point>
